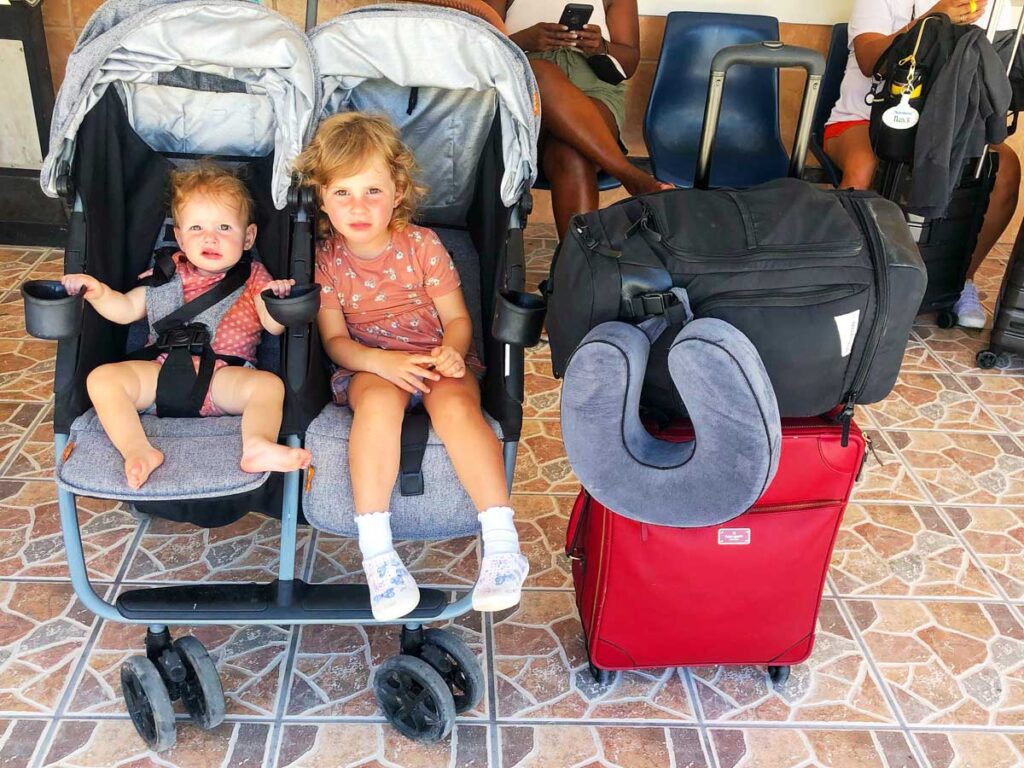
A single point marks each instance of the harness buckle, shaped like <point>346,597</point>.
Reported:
<point>194,337</point>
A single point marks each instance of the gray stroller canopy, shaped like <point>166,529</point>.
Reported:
<point>440,75</point>
<point>224,77</point>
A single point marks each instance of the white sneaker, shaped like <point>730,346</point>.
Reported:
<point>500,583</point>
<point>968,309</point>
<point>393,592</point>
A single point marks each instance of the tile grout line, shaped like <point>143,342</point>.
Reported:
<point>16,451</point>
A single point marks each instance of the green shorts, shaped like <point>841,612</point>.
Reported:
<point>574,65</point>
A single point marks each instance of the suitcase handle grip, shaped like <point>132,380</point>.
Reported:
<point>764,54</point>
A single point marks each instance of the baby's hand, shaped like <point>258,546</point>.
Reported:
<point>281,288</point>
<point>74,283</point>
<point>448,362</point>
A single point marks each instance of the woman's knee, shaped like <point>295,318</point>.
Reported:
<point>563,161</point>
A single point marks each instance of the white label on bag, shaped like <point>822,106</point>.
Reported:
<point>733,536</point>
<point>847,326</point>
<point>902,116</point>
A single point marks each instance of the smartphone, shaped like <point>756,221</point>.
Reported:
<point>576,15</point>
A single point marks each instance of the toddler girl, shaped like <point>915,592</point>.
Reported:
<point>394,321</point>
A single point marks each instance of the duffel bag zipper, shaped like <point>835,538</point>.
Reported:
<point>881,315</point>
<point>776,299</point>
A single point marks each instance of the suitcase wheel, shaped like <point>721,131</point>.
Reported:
<point>601,676</point>
<point>986,359</point>
<point>1003,361</point>
<point>778,676</point>
<point>946,319</point>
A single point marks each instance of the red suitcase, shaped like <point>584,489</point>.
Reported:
<point>744,592</point>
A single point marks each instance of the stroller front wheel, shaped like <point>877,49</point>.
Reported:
<point>415,698</point>
<point>148,702</point>
<point>201,691</point>
<point>456,663</point>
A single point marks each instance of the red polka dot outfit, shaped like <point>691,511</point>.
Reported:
<point>240,328</point>
<point>388,301</point>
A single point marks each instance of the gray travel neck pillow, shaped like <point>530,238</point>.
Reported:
<point>714,478</point>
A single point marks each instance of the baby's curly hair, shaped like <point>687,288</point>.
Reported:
<point>208,178</point>
<point>343,146</point>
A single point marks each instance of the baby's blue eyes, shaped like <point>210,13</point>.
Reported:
<point>370,191</point>
<point>221,227</point>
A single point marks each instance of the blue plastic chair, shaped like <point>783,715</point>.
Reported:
<point>748,148</point>
<point>835,70</point>
<point>604,181</point>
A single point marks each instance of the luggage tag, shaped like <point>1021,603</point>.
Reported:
<point>903,116</point>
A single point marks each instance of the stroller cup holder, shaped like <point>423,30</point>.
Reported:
<point>50,312</point>
<point>518,318</point>
<point>297,308</point>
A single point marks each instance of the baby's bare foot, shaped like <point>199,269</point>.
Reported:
<point>265,456</point>
<point>139,465</point>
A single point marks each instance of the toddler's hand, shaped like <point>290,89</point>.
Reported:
<point>281,288</point>
<point>448,362</point>
<point>405,370</point>
<point>74,283</point>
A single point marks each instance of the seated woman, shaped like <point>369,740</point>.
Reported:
<point>581,114</point>
<point>874,24</point>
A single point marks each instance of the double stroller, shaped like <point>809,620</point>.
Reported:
<point>157,84</point>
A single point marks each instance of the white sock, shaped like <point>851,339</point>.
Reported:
<point>374,534</point>
<point>499,532</point>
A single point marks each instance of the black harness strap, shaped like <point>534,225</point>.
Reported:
<point>415,427</point>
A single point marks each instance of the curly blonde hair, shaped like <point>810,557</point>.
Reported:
<point>210,179</point>
<point>344,145</point>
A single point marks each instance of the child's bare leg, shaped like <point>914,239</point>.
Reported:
<point>259,397</point>
<point>454,408</point>
<point>118,392</point>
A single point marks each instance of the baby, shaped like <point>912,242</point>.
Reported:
<point>212,214</point>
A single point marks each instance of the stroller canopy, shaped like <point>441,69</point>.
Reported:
<point>440,75</point>
<point>221,77</point>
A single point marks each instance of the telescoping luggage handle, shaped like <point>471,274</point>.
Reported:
<point>765,54</point>
<point>990,33</point>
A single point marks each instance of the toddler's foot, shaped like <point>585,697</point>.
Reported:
<point>500,582</point>
<point>393,593</point>
<point>265,456</point>
<point>139,465</point>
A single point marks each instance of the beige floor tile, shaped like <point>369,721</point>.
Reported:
<point>26,370</point>
<point>964,468</point>
<point>996,536</point>
<point>319,746</point>
<point>95,743</point>
<point>884,477</point>
<point>1002,396</point>
<point>14,263</point>
<point>947,662</point>
<point>541,671</point>
<point>543,391</point>
<point>750,748</point>
<point>34,459</point>
<point>834,685</point>
<point>958,347</point>
<point>19,740</point>
<point>15,421</point>
<point>898,549</point>
<point>541,522</point>
<point>918,359</point>
<point>540,746</point>
<point>42,636</point>
<point>931,401</point>
<point>542,466</point>
<point>972,750</point>
<point>31,542</point>
<point>334,667</point>
<point>250,661</point>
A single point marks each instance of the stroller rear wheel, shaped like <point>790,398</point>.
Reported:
<point>415,698</point>
<point>201,691</point>
<point>453,660</point>
<point>148,702</point>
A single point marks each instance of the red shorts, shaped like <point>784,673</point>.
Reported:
<point>837,129</point>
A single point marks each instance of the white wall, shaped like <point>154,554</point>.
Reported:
<point>794,11</point>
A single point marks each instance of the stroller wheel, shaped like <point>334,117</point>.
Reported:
<point>778,676</point>
<point>946,319</point>
<point>453,660</point>
<point>986,359</point>
<point>415,698</point>
<point>148,702</point>
<point>200,692</point>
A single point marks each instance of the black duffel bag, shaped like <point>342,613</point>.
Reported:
<point>825,284</point>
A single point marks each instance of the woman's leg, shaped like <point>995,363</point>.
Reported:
<point>375,442</point>
<point>574,118</point>
<point>1001,206</point>
<point>573,180</point>
<point>851,151</point>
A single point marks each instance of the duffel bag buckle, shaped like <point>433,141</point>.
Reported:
<point>654,303</point>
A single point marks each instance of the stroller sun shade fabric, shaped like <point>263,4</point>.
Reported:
<point>439,74</point>
<point>218,77</point>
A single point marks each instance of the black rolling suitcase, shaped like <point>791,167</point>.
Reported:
<point>1008,322</point>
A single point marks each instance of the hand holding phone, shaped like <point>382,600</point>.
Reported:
<point>576,15</point>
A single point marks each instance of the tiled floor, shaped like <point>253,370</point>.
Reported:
<point>919,659</point>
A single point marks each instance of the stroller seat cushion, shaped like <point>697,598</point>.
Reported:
<point>443,511</point>
<point>201,457</point>
<point>707,481</point>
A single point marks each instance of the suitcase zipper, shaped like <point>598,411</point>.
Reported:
<point>775,299</point>
<point>881,314</point>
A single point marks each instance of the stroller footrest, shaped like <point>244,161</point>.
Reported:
<point>280,601</point>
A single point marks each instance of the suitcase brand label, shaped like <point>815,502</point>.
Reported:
<point>847,326</point>
<point>733,536</point>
